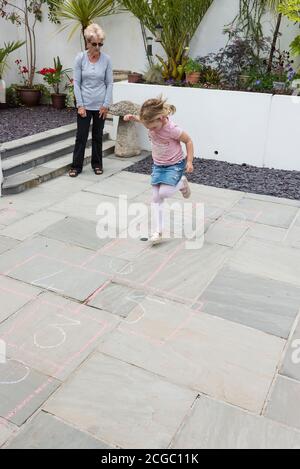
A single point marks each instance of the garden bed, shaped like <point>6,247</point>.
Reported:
<point>21,122</point>
<point>242,178</point>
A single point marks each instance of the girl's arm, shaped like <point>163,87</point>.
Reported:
<point>186,139</point>
<point>131,117</point>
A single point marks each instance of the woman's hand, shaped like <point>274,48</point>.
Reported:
<point>189,168</point>
<point>103,112</point>
<point>82,111</point>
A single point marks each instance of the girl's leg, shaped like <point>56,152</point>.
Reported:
<point>166,191</point>
<point>157,205</point>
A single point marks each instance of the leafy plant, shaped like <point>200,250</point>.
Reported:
<point>192,66</point>
<point>291,9</point>
<point>179,20</point>
<point>236,58</point>
<point>12,96</point>
<point>79,14</point>
<point>154,75</point>
<point>210,76</point>
<point>27,13</point>
<point>295,46</point>
<point>4,53</point>
<point>54,76</point>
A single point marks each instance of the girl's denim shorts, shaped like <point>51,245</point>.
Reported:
<point>169,175</point>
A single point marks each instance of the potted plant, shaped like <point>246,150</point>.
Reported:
<point>26,13</point>
<point>134,77</point>
<point>192,71</point>
<point>54,77</point>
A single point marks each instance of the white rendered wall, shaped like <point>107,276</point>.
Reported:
<point>218,121</point>
<point>253,128</point>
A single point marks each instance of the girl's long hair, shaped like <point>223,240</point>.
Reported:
<point>155,108</point>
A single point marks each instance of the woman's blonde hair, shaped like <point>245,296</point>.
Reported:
<point>153,109</point>
<point>94,31</point>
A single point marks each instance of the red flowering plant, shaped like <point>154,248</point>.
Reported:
<point>23,71</point>
<point>54,76</point>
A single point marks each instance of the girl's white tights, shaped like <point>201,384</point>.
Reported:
<point>160,193</point>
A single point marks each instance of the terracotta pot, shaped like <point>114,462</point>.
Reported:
<point>193,78</point>
<point>135,77</point>
<point>58,101</point>
<point>30,97</point>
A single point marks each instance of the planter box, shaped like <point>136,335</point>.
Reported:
<point>238,127</point>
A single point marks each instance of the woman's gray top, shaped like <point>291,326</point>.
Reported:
<point>93,83</point>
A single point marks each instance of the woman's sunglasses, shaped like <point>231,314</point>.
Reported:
<point>95,44</point>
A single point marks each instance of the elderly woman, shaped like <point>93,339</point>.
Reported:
<point>93,84</point>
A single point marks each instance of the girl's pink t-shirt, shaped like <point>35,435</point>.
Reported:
<point>166,146</point>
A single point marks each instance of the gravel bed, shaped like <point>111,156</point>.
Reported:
<point>20,122</point>
<point>243,178</point>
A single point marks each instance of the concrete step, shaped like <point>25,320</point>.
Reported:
<point>32,142</point>
<point>24,180</point>
<point>41,155</point>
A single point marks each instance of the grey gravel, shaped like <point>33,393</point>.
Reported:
<point>20,122</point>
<point>243,178</point>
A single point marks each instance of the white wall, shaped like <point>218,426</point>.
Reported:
<point>124,39</point>
<point>253,128</point>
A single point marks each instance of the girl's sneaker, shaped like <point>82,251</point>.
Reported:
<point>186,190</point>
<point>156,238</point>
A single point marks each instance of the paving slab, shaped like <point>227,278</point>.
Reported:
<point>253,301</point>
<point>284,406</point>
<point>43,247</point>
<point>117,299</point>
<point>266,232</point>
<point>291,363</point>
<point>75,231</point>
<point>7,243</point>
<point>84,205</point>
<point>273,199</point>
<point>122,405</point>
<point>116,186</point>
<point>32,225</point>
<point>215,425</point>
<point>22,391</point>
<point>14,295</point>
<point>61,277</point>
<point>9,215</point>
<point>226,232</point>
<point>227,361</point>
<point>47,432</point>
<point>54,335</point>
<point>264,212</point>
<point>267,259</point>
<point>6,430</point>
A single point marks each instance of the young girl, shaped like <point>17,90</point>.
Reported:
<point>168,157</point>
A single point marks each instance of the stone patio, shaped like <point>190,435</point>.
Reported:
<point>113,344</point>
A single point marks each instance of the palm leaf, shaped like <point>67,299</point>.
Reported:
<point>78,14</point>
<point>5,51</point>
<point>180,20</point>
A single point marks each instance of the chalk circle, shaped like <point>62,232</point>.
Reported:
<point>17,381</point>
